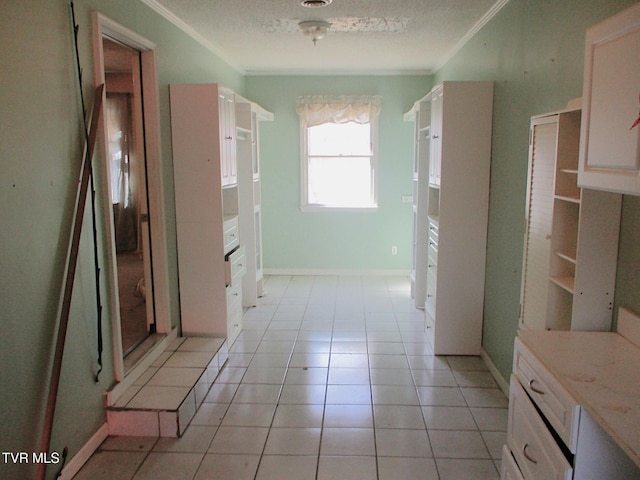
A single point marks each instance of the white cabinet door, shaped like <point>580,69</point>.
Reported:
<point>228,138</point>
<point>436,137</point>
<point>537,245</point>
<point>610,148</point>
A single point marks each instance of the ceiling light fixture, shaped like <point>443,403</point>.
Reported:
<point>315,3</point>
<point>316,29</point>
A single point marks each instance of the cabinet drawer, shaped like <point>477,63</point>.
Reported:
<point>534,448</point>
<point>509,470</point>
<point>234,323</point>
<point>433,231</point>
<point>231,235</point>
<point>234,296</point>
<point>235,265</point>
<point>430,303</point>
<point>432,250</point>
<point>555,403</point>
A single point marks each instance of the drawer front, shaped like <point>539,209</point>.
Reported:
<point>433,231</point>
<point>555,403</point>
<point>235,265</point>
<point>534,448</point>
<point>231,235</point>
<point>432,251</point>
<point>430,303</point>
<point>234,323</point>
<point>234,296</point>
<point>509,470</point>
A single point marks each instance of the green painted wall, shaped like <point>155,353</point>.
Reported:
<point>335,240</point>
<point>533,50</point>
<point>39,160</point>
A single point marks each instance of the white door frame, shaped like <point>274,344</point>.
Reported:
<point>102,26</point>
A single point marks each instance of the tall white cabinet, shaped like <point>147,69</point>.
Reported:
<point>420,115</point>
<point>571,235</point>
<point>452,213</point>
<point>248,117</point>
<point>211,260</point>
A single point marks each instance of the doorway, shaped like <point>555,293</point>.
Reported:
<point>128,192</point>
<point>132,192</point>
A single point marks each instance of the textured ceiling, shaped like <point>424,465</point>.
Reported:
<point>366,36</point>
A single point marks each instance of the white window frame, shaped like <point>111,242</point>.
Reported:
<point>305,206</point>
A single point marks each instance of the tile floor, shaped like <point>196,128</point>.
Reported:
<point>331,378</point>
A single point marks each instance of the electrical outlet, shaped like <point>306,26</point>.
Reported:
<point>394,250</point>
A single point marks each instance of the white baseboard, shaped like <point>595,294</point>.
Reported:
<point>74,465</point>
<point>502,383</point>
<point>320,271</point>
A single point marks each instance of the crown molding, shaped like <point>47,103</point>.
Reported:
<point>471,33</point>
<point>182,25</point>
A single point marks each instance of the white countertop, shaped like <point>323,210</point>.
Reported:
<point>601,370</point>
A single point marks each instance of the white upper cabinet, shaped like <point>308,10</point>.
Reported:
<point>228,160</point>
<point>610,146</point>
<point>436,136</point>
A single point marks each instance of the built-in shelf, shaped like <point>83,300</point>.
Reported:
<point>567,283</point>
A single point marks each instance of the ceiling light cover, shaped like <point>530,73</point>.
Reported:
<point>316,29</point>
<point>315,3</point>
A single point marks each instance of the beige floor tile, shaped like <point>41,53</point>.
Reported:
<point>239,440</point>
<point>104,465</point>
<point>306,376</point>
<point>398,416</point>
<point>349,376</point>
<point>348,395</point>
<point>291,467</point>
<point>457,444</point>
<point>301,416</point>
<point>345,416</point>
<point>398,468</point>
<point>394,395</point>
<point>196,439</point>
<point>448,418</point>
<point>347,441</point>
<point>441,396</point>
<point>303,394</point>
<point>460,469</point>
<point>492,419</point>
<point>232,467</point>
<point>402,443</point>
<point>293,441</point>
<point>341,468</point>
<point>169,466</point>
<point>249,415</point>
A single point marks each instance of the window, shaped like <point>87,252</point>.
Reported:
<point>338,152</point>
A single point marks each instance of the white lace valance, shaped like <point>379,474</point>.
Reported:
<point>319,109</point>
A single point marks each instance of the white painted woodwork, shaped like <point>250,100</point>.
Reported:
<point>584,384</point>
<point>571,236</point>
<point>248,117</point>
<point>206,194</point>
<point>610,149</point>
<point>420,115</point>
<point>537,245</point>
<point>457,214</point>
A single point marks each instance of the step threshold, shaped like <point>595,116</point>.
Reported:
<point>166,397</point>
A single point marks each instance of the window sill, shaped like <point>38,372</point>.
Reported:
<point>322,208</point>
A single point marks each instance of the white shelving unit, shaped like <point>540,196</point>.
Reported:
<point>248,117</point>
<point>571,239</point>
<point>210,257</point>
<point>420,115</point>
<point>453,163</point>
